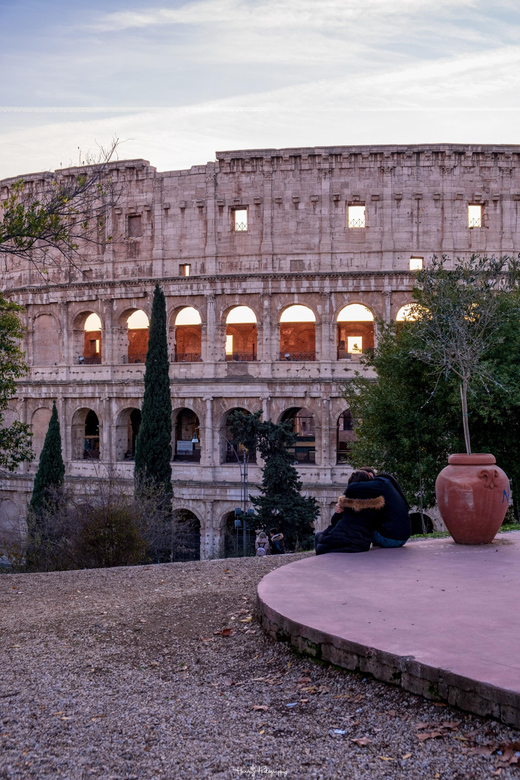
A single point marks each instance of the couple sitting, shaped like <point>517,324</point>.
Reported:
<point>373,510</point>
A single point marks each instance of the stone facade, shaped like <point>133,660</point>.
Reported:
<point>264,229</point>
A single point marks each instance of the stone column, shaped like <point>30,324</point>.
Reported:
<point>207,455</point>
<point>211,220</point>
<point>325,432</point>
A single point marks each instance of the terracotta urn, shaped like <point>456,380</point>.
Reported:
<point>472,496</point>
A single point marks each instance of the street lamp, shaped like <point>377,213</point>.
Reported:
<point>241,513</point>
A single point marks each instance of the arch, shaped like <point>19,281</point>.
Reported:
<point>355,330</point>
<point>345,436</point>
<point>241,334</point>
<point>137,324</point>
<point>188,335</point>
<point>85,435</point>
<point>86,338</point>
<point>185,536</point>
<point>406,313</point>
<point>228,454</point>
<point>417,528</point>
<point>46,341</point>
<point>40,424</point>
<point>127,428</point>
<point>303,425</point>
<point>297,333</point>
<point>186,431</point>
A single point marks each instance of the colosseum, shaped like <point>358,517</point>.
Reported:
<point>276,265</point>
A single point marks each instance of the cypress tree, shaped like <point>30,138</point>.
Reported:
<point>153,449</point>
<point>51,469</point>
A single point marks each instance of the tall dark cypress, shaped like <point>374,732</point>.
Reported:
<point>153,449</point>
<point>51,469</point>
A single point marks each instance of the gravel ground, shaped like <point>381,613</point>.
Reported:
<point>163,672</point>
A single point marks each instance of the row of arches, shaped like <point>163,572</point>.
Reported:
<point>188,435</point>
<point>297,335</point>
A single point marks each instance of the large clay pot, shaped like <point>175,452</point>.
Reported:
<point>472,496</point>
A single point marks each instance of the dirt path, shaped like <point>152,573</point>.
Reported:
<point>162,672</point>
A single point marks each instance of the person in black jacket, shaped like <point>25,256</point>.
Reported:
<point>392,528</point>
<point>355,518</point>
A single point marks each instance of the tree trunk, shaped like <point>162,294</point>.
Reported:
<point>464,399</point>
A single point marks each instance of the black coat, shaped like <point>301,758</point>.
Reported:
<point>353,531</point>
<point>394,521</point>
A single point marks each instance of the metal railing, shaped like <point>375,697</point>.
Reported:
<point>242,357</point>
<point>137,358</point>
<point>90,454</point>
<point>92,360</point>
<point>302,356</point>
<point>187,457</point>
<point>303,454</point>
<point>186,357</point>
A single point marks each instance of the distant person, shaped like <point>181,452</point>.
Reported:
<point>354,519</point>
<point>277,542</point>
<point>262,545</point>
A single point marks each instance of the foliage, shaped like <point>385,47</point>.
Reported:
<point>408,421</point>
<point>153,449</point>
<point>51,468</point>
<point>15,440</point>
<point>457,319</point>
<point>46,226</point>
<point>280,502</point>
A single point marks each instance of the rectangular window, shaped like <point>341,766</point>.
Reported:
<point>135,226</point>
<point>229,345</point>
<point>240,220</point>
<point>355,345</point>
<point>475,216</point>
<point>184,270</point>
<point>356,217</point>
<point>416,263</point>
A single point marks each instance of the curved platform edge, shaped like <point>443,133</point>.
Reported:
<point>433,683</point>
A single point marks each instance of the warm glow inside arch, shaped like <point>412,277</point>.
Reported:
<point>298,313</point>
<point>355,312</point>
<point>138,320</point>
<point>241,315</point>
<point>407,313</point>
<point>188,316</point>
<point>92,323</point>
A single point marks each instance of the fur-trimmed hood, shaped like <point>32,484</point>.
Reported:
<point>358,504</point>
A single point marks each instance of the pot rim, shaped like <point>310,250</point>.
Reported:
<point>475,459</point>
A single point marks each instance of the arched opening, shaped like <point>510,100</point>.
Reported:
<point>302,423</point>
<point>241,334</point>
<point>232,539</point>
<point>231,453</point>
<point>298,333</point>
<point>345,436</point>
<point>85,435</point>
<point>407,313</point>
<point>91,341</point>
<point>188,336</point>
<point>127,428</point>
<point>417,526</point>
<point>137,325</point>
<point>187,437</point>
<point>39,425</point>
<point>185,542</point>
<point>46,341</point>
<point>355,325</point>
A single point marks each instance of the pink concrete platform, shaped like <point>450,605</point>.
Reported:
<point>434,617</point>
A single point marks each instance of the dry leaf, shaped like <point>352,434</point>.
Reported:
<point>386,758</point>
<point>227,632</point>
<point>303,680</point>
<point>247,619</point>
<point>362,741</point>
<point>408,755</point>
<point>429,735</point>
<point>262,707</point>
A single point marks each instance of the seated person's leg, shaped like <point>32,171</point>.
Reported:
<point>383,541</point>
<point>317,539</point>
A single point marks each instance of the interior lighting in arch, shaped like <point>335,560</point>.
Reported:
<point>240,315</point>
<point>138,320</point>
<point>355,312</point>
<point>188,316</point>
<point>92,323</point>
<point>298,313</point>
<point>406,313</point>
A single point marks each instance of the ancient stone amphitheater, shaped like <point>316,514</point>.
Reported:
<point>275,264</point>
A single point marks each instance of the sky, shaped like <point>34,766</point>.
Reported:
<point>176,81</point>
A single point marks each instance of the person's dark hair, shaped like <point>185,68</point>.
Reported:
<point>368,469</point>
<point>273,531</point>
<point>359,476</point>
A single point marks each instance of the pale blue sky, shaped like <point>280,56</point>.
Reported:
<point>178,80</point>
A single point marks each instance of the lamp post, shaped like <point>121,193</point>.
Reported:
<point>241,513</point>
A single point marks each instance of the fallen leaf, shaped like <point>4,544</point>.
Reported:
<point>429,735</point>
<point>203,639</point>
<point>227,632</point>
<point>247,619</point>
<point>408,755</point>
<point>303,680</point>
<point>362,741</point>
<point>386,758</point>
<point>262,707</point>
<point>262,732</point>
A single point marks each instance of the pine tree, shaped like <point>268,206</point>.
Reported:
<point>280,503</point>
<point>153,449</point>
<point>51,469</point>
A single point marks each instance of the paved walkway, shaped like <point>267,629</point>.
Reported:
<point>435,617</point>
